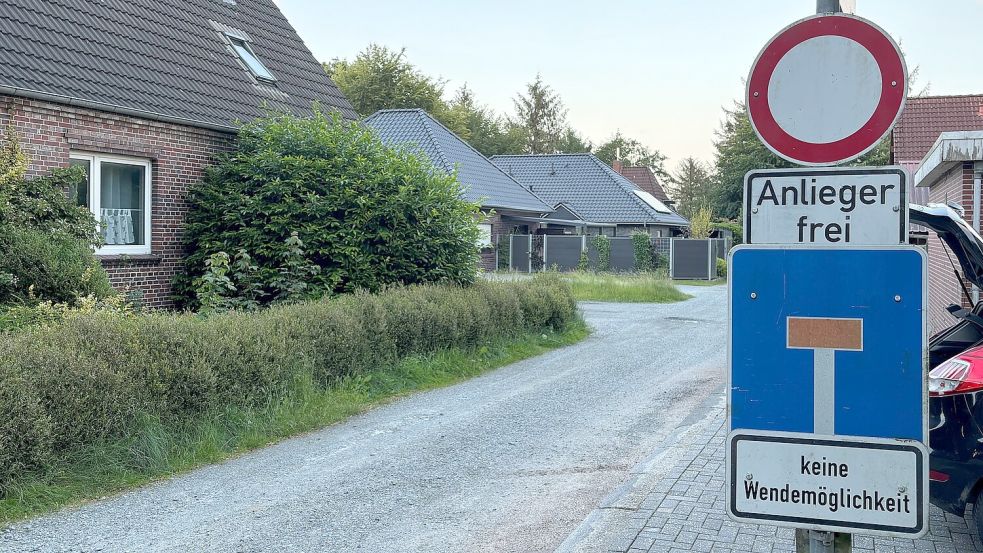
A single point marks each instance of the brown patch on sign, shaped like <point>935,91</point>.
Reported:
<point>815,333</point>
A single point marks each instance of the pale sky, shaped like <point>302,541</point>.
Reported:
<point>658,70</point>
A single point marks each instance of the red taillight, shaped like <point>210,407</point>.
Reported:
<point>936,476</point>
<point>959,375</point>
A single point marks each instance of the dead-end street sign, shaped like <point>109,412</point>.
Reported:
<point>826,89</point>
<point>826,206</point>
<point>827,389</point>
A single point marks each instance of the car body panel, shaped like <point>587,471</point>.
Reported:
<point>955,433</point>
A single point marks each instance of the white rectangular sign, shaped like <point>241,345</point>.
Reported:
<point>850,206</point>
<point>833,483</point>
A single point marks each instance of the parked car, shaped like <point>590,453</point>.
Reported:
<point>956,376</point>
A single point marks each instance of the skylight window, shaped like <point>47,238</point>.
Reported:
<point>248,57</point>
<point>652,201</point>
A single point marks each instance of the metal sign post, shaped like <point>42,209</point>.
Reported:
<point>827,301</point>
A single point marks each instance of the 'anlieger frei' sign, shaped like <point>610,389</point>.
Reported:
<point>843,207</point>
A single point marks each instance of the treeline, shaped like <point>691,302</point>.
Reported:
<point>383,78</point>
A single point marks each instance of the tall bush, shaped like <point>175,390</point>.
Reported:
<point>603,246</point>
<point>368,216</point>
<point>46,239</point>
<point>721,268</point>
<point>89,376</point>
<point>642,246</point>
<point>701,224</point>
<point>52,266</point>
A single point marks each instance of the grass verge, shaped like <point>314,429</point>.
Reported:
<point>717,282</point>
<point>156,450</point>
<point>629,287</point>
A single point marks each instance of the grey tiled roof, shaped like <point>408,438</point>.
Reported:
<point>481,179</point>
<point>587,185</point>
<point>163,58</point>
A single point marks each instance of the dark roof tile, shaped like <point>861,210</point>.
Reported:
<point>162,57</point>
<point>588,186</point>
<point>482,180</point>
<point>644,178</point>
<point>925,118</point>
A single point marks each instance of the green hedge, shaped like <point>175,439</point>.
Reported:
<point>89,376</point>
<point>39,265</point>
<point>368,216</point>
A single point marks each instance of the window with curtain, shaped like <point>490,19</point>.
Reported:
<point>118,193</point>
<point>122,197</point>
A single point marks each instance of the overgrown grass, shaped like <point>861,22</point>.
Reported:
<point>717,282</point>
<point>628,287</point>
<point>155,450</point>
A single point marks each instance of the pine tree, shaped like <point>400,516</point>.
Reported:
<point>542,116</point>
<point>691,186</point>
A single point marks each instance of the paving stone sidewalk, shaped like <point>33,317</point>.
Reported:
<point>681,509</point>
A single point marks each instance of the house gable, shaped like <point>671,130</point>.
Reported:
<point>644,178</point>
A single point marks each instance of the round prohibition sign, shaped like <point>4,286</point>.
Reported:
<point>826,89</point>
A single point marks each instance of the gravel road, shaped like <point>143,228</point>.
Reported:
<point>510,461</point>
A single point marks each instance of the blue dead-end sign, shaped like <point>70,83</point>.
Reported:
<point>827,354</point>
<point>879,390</point>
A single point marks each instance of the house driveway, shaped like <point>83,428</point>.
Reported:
<point>510,461</point>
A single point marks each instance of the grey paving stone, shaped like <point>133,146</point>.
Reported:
<point>684,512</point>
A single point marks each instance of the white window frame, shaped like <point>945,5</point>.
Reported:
<point>95,198</point>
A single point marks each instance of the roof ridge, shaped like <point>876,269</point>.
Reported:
<point>622,181</point>
<point>451,168</point>
<point>942,96</point>
<point>475,150</point>
<point>545,155</point>
<point>397,110</point>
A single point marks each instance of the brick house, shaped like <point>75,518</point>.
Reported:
<point>508,206</point>
<point>940,140</point>
<point>644,178</point>
<point>142,94</point>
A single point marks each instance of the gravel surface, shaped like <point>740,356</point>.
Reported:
<point>510,461</point>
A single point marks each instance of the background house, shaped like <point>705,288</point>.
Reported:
<point>143,94</point>
<point>582,186</point>
<point>645,178</point>
<point>939,140</point>
<point>510,207</point>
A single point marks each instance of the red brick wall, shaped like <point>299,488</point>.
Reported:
<point>943,287</point>
<point>178,154</point>
<point>487,256</point>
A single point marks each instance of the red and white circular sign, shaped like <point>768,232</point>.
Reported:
<point>826,89</point>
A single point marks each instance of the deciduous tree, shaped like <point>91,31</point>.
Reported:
<point>382,78</point>
<point>487,132</point>
<point>701,225</point>
<point>632,152</point>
